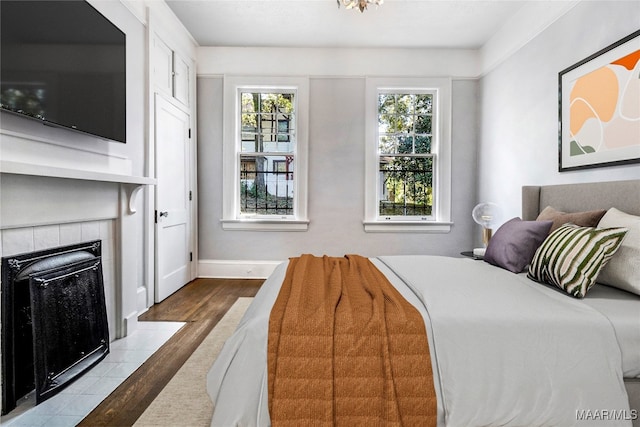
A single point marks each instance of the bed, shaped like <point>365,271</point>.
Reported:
<point>505,349</point>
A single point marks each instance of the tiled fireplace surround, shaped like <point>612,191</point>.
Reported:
<point>15,241</point>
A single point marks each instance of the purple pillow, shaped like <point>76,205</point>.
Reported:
<point>513,245</point>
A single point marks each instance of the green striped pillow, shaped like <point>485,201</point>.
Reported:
<point>571,257</point>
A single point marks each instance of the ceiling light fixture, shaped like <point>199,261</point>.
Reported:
<point>360,4</point>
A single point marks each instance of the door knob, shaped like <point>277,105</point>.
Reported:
<point>165,213</point>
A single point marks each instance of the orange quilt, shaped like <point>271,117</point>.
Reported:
<point>346,349</point>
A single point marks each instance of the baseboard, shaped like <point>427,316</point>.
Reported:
<point>130,324</point>
<point>235,269</point>
<point>141,299</point>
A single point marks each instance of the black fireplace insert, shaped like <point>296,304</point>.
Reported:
<point>54,320</point>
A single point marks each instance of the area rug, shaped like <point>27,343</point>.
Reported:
<point>184,400</point>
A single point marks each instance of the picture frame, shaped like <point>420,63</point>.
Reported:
<point>599,108</point>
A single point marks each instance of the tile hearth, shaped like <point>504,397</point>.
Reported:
<point>75,402</point>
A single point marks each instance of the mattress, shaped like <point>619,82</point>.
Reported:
<point>622,309</point>
<point>504,348</point>
<point>509,350</point>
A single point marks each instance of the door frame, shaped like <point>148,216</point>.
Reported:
<point>159,26</point>
<point>193,207</point>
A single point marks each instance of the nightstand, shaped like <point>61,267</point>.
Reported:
<point>470,254</point>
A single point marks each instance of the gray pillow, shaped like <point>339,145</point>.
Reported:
<point>513,245</point>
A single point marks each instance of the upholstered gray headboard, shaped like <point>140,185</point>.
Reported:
<point>623,195</point>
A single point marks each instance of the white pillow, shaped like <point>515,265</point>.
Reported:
<point>623,270</point>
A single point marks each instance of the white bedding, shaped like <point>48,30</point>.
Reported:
<point>506,351</point>
<point>622,309</point>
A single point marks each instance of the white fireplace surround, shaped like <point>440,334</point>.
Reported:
<point>52,194</point>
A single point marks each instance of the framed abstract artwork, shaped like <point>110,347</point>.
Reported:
<point>599,108</point>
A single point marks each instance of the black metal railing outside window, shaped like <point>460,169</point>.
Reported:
<point>266,190</point>
<point>267,153</point>
<point>407,184</point>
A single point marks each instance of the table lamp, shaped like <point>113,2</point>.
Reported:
<point>486,215</point>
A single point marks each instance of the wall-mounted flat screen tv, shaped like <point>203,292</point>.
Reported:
<point>63,63</point>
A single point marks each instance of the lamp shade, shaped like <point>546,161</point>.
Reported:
<point>485,214</point>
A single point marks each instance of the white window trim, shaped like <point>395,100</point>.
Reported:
<point>231,219</point>
<point>441,148</point>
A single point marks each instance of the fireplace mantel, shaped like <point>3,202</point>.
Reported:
<point>134,182</point>
<point>19,168</point>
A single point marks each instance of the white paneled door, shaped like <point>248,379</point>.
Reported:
<point>173,204</point>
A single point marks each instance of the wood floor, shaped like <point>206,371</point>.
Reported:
<point>201,304</point>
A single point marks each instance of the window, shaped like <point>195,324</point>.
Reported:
<point>408,155</point>
<point>265,153</point>
<point>405,126</point>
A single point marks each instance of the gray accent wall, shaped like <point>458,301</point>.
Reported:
<point>336,180</point>
<point>518,140</point>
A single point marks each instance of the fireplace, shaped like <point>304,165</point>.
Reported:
<point>54,320</point>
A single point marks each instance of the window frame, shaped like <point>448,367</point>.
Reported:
<point>232,219</point>
<point>440,220</point>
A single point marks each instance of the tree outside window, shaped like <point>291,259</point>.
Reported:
<point>406,163</point>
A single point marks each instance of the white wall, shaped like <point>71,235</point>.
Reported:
<point>336,179</point>
<point>519,104</point>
